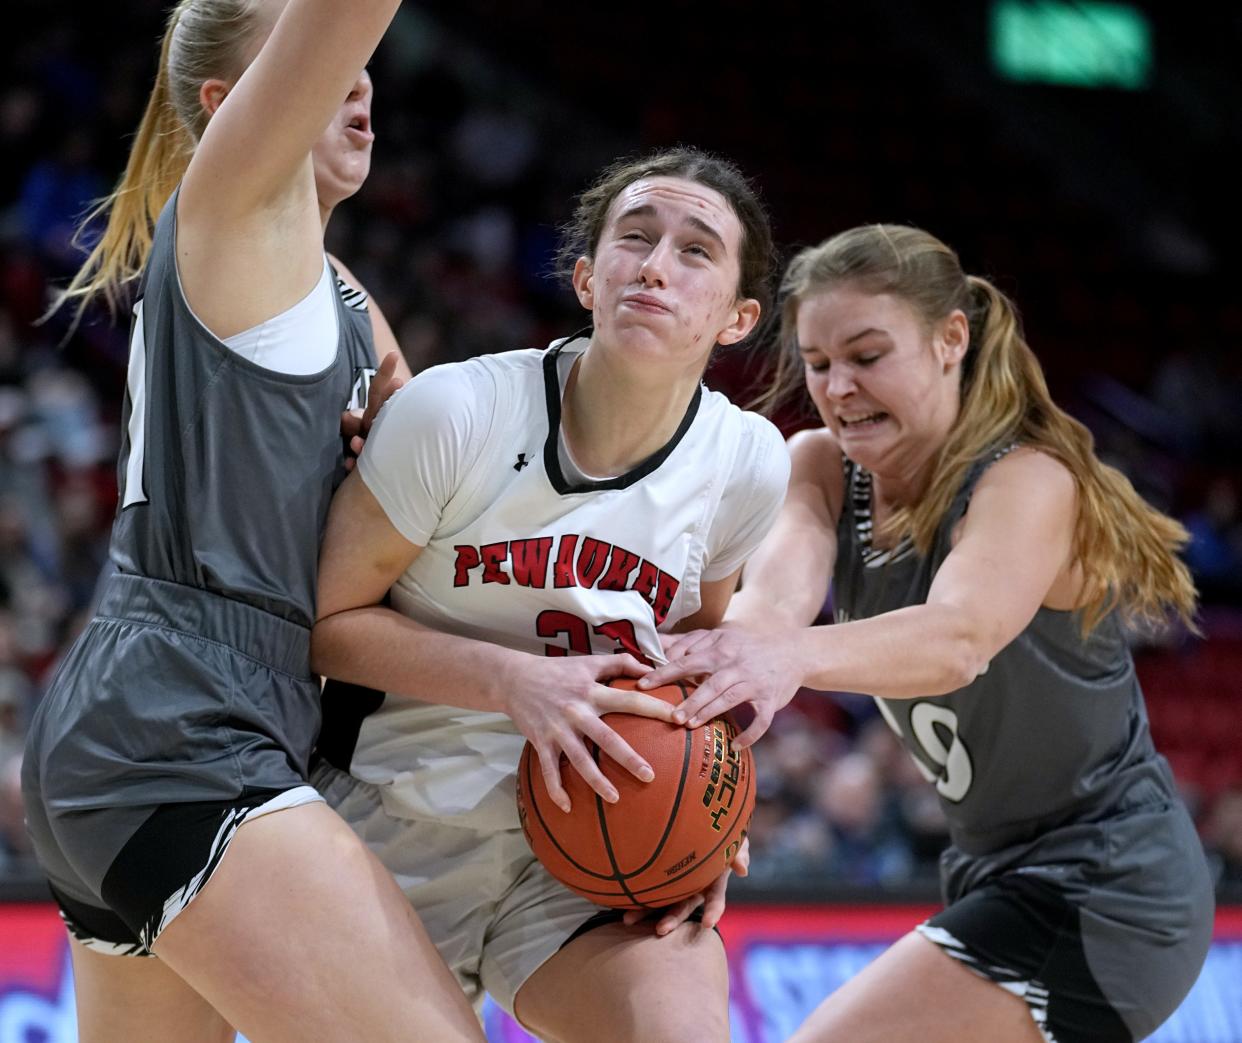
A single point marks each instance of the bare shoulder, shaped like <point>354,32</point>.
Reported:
<point>817,463</point>
<point>1027,490</point>
<point>815,442</point>
<point>1030,472</point>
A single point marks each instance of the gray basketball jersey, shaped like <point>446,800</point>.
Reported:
<point>1054,730</point>
<point>227,468</point>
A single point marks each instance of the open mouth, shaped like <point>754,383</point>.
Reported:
<point>359,128</point>
<point>863,422</point>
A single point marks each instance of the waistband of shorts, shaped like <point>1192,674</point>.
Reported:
<point>275,642</point>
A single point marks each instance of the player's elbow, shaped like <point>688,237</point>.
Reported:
<point>324,646</point>
<point>964,661</point>
<point>966,651</point>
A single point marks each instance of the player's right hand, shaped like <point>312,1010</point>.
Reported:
<point>558,705</point>
<point>733,666</point>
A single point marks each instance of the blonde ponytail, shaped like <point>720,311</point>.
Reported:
<point>1126,550</point>
<point>203,39</point>
<point>157,161</point>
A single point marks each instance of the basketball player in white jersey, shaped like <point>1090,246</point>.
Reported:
<point>527,509</point>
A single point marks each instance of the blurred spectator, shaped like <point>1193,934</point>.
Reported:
<point>15,690</point>
<point>866,842</point>
<point>56,194</point>
<point>914,800</point>
<point>1201,393</point>
<point>1215,550</point>
<point>14,711</point>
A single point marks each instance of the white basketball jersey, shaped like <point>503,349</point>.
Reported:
<point>466,462</point>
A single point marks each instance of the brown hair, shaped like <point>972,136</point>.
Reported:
<point>1126,549</point>
<point>203,39</point>
<point>581,235</point>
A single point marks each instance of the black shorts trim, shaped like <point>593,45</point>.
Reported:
<point>607,916</point>
<point>162,867</point>
<point>1025,935</point>
<point>99,929</point>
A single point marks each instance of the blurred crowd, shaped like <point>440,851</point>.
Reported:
<point>476,164</point>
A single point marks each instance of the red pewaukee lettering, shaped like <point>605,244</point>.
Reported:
<point>591,560</point>
<point>563,570</point>
<point>530,561</point>
<point>494,555</point>
<point>620,565</point>
<point>467,559</point>
<point>577,561</point>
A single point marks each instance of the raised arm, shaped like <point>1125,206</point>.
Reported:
<point>250,239</point>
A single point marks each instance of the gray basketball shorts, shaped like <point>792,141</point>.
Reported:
<point>492,910</point>
<point>1102,951</point>
<point>177,716</point>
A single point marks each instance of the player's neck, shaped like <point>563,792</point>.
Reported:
<point>899,485</point>
<point>612,421</point>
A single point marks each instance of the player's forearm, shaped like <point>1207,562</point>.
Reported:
<point>772,608</point>
<point>923,650</point>
<point>382,649</point>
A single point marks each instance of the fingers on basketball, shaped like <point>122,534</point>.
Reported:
<point>663,842</point>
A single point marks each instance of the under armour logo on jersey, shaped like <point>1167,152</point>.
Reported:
<point>521,462</point>
<point>361,389</point>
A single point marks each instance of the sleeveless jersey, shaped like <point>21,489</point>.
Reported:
<point>1053,732</point>
<point>465,463</point>
<point>227,468</point>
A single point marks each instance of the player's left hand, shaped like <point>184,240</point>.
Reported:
<point>356,423</point>
<point>712,900</point>
<point>740,667</point>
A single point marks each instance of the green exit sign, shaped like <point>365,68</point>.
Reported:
<point>1074,44</point>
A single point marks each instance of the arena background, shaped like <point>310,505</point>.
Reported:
<point>1085,156</point>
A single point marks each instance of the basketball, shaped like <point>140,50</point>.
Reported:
<point>664,840</point>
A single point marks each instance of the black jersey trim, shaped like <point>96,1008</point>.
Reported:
<point>860,493</point>
<point>552,458</point>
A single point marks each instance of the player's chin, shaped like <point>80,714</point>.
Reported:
<point>654,337</point>
<point>342,177</point>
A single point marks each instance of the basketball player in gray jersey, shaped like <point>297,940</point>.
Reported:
<point>165,774</point>
<point>984,566</point>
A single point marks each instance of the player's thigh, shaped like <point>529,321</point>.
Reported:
<point>139,1000</point>
<point>916,992</point>
<point>617,984</point>
<point>302,934</point>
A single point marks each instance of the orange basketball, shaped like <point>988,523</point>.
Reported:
<point>664,840</point>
